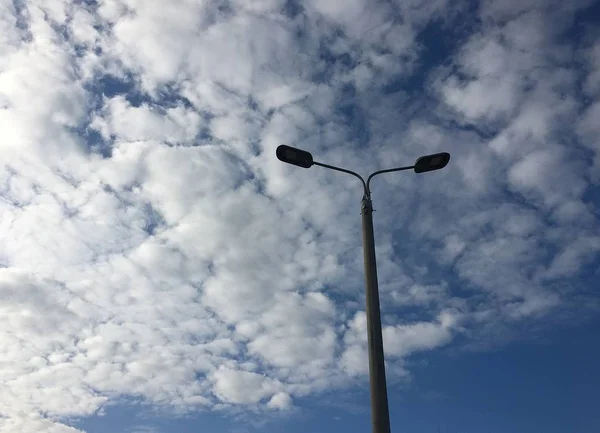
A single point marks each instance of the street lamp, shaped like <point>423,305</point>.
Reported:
<point>379,404</point>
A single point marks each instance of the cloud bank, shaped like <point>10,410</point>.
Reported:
<point>152,247</point>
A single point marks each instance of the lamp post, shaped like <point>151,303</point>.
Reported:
<point>379,404</point>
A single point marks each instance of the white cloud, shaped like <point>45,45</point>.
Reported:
<point>546,175</point>
<point>38,86</point>
<point>34,424</point>
<point>475,101</point>
<point>592,82</point>
<point>147,122</point>
<point>244,387</point>
<point>576,254</point>
<point>82,28</point>
<point>354,359</point>
<point>511,9</point>
<point>281,401</point>
<point>402,340</point>
<point>190,269</point>
<point>416,294</point>
<point>297,332</point>
<point>148,36</point>
<point>144,429</point>
<point>588,131</point>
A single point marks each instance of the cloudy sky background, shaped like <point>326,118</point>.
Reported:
<point>162,271</point>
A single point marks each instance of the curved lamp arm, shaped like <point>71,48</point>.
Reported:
<point>366,189</point>
<point>372,175</point>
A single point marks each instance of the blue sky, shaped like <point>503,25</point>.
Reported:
<point>161,271</point>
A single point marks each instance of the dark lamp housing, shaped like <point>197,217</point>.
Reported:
<point>294,156</point>
<point>432,162</point>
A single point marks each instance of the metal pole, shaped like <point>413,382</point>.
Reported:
<point>379,403</point>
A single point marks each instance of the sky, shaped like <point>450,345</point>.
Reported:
<point>162,272</point>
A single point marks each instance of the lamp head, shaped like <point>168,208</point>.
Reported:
<point>294,156</point>
<point>432,162</point>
